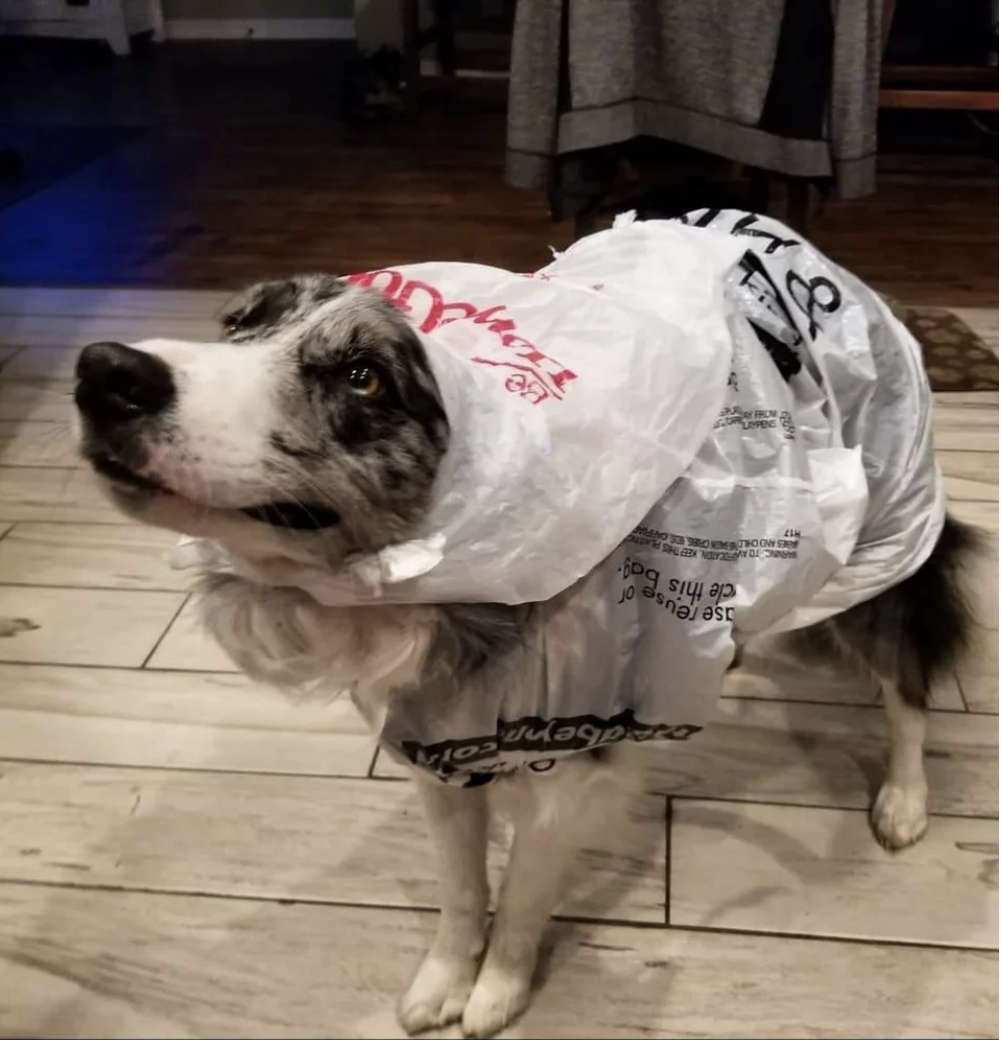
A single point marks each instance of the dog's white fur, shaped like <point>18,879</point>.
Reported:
<point>226,409</point>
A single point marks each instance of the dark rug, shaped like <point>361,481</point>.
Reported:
<point>35,157</point>
<point>956,357</point>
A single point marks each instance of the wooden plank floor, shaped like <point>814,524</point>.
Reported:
<point>244,202</point>
<point>184,853</point>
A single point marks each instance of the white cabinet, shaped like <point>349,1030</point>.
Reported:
<point>113,21</point>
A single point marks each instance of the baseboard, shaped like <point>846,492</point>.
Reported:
<point>260,29</point>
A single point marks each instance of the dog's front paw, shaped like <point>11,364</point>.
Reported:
<point>438,994</point>
<point>899,815</point>
<point>498,997</point>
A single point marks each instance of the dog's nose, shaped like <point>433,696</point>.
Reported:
<point>116,383</point>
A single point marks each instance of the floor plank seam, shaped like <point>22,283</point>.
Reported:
<point>114,667</point>
<point>52,469</point>
<point>963,693</point>
<point>370,772</point>
<point>121,667</point>
<point>63,587</point>
<point>163,634</point>
<point>669,809</point>
<point>846,939</point>
<point>93,522</point>
<point>840,807</point>
<point>155,669</point>
<point>863,705</point>
<point>580,919</point>
<point>934,815</point>
<point>58,763</point>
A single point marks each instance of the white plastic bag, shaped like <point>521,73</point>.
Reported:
<point>693,431</point>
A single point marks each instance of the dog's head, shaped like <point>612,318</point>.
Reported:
<point>314,430</point>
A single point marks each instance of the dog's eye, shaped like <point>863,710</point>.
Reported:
<point>365,380</point>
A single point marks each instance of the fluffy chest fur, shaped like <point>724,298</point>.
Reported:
<point>282,636</point>
<point>447,669</point>
<point>466,693</point>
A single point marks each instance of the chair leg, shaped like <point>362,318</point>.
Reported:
<point>760,183</point>
<point>798,203</point>
<point>410,11</point>
<point>445,37</point>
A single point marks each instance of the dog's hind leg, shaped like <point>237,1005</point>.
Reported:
<point>899,813</point>
<point>874,650</point>
<point>875,643</point>
<point>906,638</point>
<point>457,819</point>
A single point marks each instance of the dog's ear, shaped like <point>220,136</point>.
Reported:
<point>259,307</point>
<point>268,304</point>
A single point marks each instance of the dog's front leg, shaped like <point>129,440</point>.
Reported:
<point>457,819</point>
<point>554,816</point>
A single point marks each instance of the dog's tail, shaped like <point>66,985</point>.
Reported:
<point>939,615</point>
<point>916,632</point>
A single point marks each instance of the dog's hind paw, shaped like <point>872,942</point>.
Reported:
<point>497,998</point>
<point>438,994</point>
<point>899,816</point>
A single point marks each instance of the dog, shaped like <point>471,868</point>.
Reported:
<point>314,431</point>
